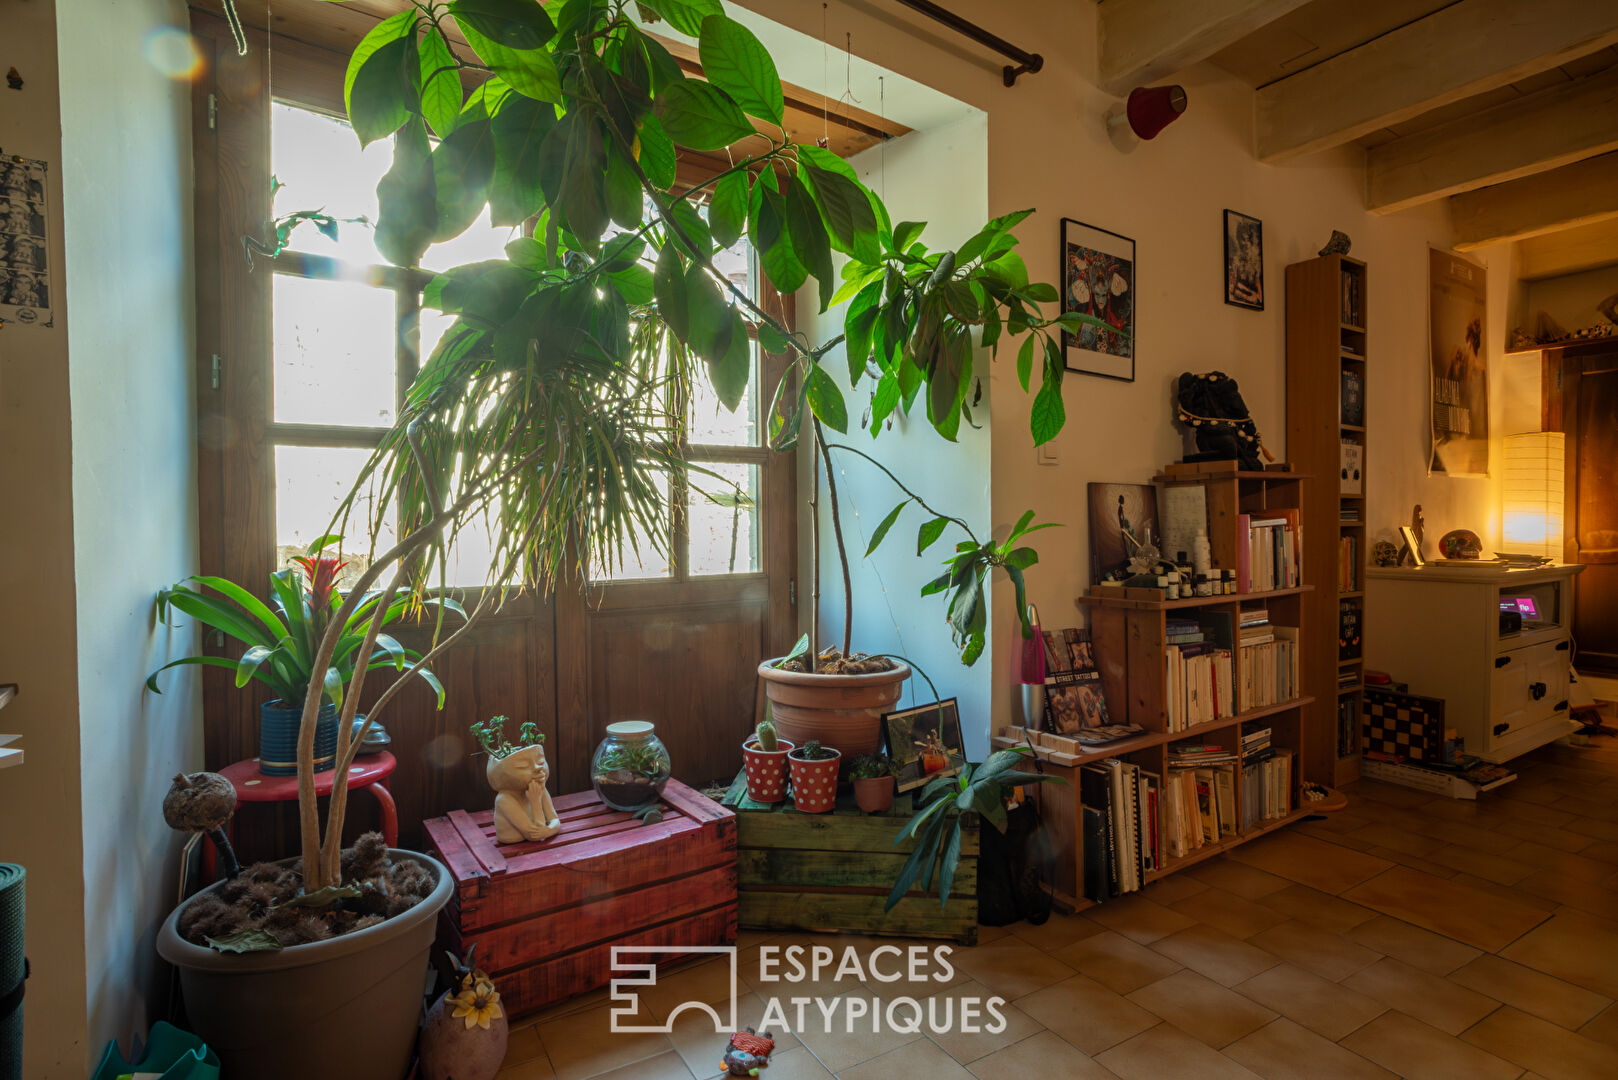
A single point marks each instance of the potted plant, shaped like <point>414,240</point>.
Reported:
<point>631,766</point>
<point>764,759</point>
<point>814,777</point>
<point>280,648</point>
<point>873,782</point>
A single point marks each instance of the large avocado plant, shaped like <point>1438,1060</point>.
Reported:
<point>553,408</point>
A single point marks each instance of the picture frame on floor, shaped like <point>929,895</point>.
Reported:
<point>1099,279</point>
<point>925,742</point>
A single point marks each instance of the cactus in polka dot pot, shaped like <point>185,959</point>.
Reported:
<point>814,777</point>
<point>764,758</point>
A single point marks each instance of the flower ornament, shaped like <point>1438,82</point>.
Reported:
<point>478,1005</point>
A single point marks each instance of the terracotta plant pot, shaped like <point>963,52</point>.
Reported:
<point>874,793</point>
<point>766,770</point>
<point>844,711</point>
<point>272,1015</point>
<point>814,783</point>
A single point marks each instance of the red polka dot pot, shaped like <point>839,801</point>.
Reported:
<point>814,783</point>
<point>766,771</point>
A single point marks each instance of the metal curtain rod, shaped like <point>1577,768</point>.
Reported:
<point>1027,62</point>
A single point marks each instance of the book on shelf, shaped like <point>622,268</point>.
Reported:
<point>1255,616</point>
<point>1353,399</point>
<point>1269,663</point>
<point>1074,700</point>
<point>1348,629</point>
<point>1267,788</point>
<point>1353,313</point>
<point>1348,564</point>
<point>1121,827</point>
<point>1349,515</point>
<point>1351,456</point>
<point>1269,551</point>
<point>1199,677</point>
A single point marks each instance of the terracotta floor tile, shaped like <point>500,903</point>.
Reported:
<point>582,1044</point>
<point>951,1030</point>
<point>1245,881</point>
<point>1432,999</point>
<point>1604,1028</point>
<point>1575,948</point>
<point>1506,891</point>
<point>524,1044</point>
<point>1173,888</point>
<point>1379,834</point>
<point>1087,1014</point>
<point>1055,933</point>
<point>1116,962</point>
<point>1283,1050</point>
<point>1592,897</point>
<point>842,1042</point>
<point>1537,816</point>
<point>1542,1046</point>
<point>1321,1005</point>
<point>1138,919</point>
<point>1496,868</point>
<point>1456,911</point>
<point>1455,832</point>
<point>1547,837</point>
<point>1233,914</point>
<point>1596,827</point>
<point>1602,850</point>
<point>1165,1051</point>
<point>1328,867</point>
<point>1212,952</point>
<point>1415,862</point>
<point>921,1061</point>
<point>533,1069</point>
<point>1532,991</point>
<point>1415,1051</point>
<point>667,1066</point>
<point>1320,910</point>
<point>706,982</point>
<point>797,1064</point>
<point>1042,1055</point>
<point>1415,946</point>
<point>1202,1008</point>
<point>1331,956</point>
<point>1010,967</point>
<point>1391,794</point>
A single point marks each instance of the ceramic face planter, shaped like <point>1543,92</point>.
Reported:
<point>522,806</point>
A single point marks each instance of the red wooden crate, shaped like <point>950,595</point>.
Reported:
<point>545,914</point>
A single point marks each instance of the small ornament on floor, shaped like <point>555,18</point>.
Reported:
<point>747,1053</point>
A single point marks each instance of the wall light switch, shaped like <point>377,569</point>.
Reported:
<point>1048,454</point>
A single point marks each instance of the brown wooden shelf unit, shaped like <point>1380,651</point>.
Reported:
<point>1327,373</point>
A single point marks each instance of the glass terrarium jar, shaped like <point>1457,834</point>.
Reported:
<point>631,766</point>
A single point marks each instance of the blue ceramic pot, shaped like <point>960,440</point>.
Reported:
<point>278,738</point>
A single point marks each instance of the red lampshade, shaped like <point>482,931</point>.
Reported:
<point>1153,108</point>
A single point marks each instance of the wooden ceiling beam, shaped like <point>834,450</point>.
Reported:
<point>1468,48</point>
<point>1144,40</point>
<point>1539,132</point>
<point>1564,198</point>
<point>1571,251</point>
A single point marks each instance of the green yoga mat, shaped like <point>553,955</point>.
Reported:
<point>11,968</point>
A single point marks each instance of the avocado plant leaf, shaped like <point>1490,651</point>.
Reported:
<point>730,373</point>
<point>531,72</point>
<point>727,208</point>
<point>463,170</point>
<point>734,60</point>
<point>686,16</point>
<point>700,116</point>
<point>826,401</point>
<point>378,81</point>
<point>519,129</point>
<point>882,529</point>
<point>515,24</point>
<point>441,96</point>
<point>655,153</point>
<point>407,206</point>
<point>929,532</point>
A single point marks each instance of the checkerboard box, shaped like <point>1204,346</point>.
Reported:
<point>1403,727</point>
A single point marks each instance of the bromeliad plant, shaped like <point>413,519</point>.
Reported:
<point>282,642</point>
<point>937,825</point>
<point>553,408</point>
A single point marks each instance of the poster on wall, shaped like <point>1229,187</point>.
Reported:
<point>1459,366</point>
<point>25,280</point>
<point>1244,261</point>
<point>1123,521</point>
<point>1098,279</point>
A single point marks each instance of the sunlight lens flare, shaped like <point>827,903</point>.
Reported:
<point>174,53</point>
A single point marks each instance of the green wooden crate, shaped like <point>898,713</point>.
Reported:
<point>833,871</point>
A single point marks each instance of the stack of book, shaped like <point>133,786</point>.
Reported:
<point>1269,666</point>
<point>1266,784</point>
<point>1184,632</point>
<point>1201,807</point>
<point>1348,564</point>
<point>1122,834</point>
<point>1199,684</point>
<point>1269,551</point>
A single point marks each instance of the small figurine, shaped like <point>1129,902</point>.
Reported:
<point>746,1053</point>
<point>202,802</point>
<point>1384,553</point>
<point>1338,244</point>
<point>1211,405</point>
<point>465,1033</point>
<point>522,807</point>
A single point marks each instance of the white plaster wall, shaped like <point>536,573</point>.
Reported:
<point>1047,149</point>
<point>126,164</point>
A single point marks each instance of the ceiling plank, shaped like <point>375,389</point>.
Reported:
<point>1144,40</point>
<point>1467,48</point>
<point>1532,134</point>
<point>1568,252</point>
<point>1564,198</point>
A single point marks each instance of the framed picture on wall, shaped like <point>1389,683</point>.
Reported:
<point>1098,280</point>
<point>1244,261</point>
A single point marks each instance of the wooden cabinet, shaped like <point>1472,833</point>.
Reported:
<point>1438,629</point>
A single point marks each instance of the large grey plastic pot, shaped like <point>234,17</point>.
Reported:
<point>345,1008</point>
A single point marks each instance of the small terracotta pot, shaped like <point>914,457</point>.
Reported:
<point>814,783</point>
<point>766,771</point>
<point>874,793</point>
<point>844,711</point>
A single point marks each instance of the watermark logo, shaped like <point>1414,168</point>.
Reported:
<point>626,1007</point>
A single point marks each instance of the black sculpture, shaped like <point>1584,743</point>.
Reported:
<point>1211,405</point>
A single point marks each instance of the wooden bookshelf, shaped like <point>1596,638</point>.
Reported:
<point>1131,649</point>
<point>1326,349</point>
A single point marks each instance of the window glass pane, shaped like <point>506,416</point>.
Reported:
<point>310,483</point>
<point>711,424</point>
<point>640,559</point>
<point>723,516</point>
<point>334,352</point>
<point>481,241</point>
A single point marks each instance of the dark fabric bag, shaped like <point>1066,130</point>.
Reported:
<point>1013,868</point>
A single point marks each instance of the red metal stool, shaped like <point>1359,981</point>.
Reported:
<point>370,772</point>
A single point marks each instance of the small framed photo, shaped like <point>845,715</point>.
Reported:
<point>925,742</point>
<point>1098,280</point>
<point>1414,544</point>
<point>1244,261</point>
